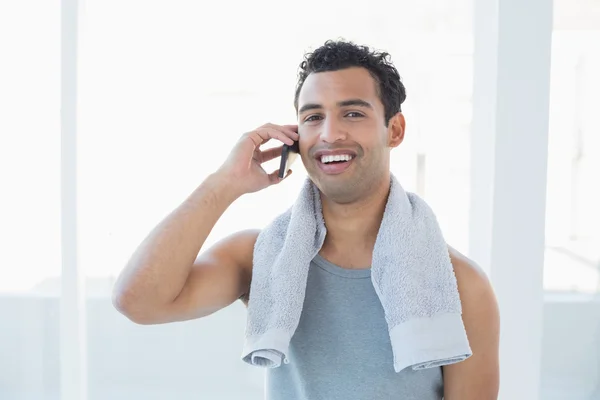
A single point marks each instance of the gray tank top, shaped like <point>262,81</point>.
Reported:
<point>341,349</point>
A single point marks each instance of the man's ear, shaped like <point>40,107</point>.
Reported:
<point>396,128</point>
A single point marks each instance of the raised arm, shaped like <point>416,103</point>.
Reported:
<point>168,278</point>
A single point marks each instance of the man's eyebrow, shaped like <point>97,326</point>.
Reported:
<point>345,103</point>
<point>355,102</point>
<point>309,106</point>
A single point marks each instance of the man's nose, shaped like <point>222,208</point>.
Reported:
<point>332,131</point>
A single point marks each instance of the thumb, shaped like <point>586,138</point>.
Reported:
<point>275,179</point>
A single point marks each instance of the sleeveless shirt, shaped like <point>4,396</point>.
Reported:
<point>341,348</point>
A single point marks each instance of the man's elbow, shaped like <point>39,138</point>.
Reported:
<point>126,305</point>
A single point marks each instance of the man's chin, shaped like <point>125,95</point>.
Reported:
<point>337,189</point>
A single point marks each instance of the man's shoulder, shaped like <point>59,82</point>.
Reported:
<point>479,303</point>
<point>240,244</point>
<point>245,235</point>
<point>236,248</point>
<point>470,276</point>
<point>476,377</point>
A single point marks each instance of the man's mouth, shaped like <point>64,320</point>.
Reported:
<point>335,162</point>
<point>339,158</point>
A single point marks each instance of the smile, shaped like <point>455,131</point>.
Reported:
<point>334,162</point>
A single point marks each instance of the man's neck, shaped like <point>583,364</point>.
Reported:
<point>353,228</point>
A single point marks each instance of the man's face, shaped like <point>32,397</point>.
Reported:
<point>344,142</point>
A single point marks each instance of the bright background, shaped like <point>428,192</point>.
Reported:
<point>166,88</point>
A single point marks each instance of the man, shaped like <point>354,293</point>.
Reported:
<point>348,102</point>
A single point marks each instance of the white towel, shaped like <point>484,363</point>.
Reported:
<point>411,273</point>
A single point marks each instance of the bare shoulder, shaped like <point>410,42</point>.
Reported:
<point>478,376</point>
<point>476,292</point>
<point>468,274</point>
<point>238,248</point>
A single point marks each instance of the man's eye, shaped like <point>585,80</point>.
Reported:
<point>354,114</point>
<point>313,118</point>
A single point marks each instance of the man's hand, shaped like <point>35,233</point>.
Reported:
<point>476,378</point>
<point>243,166</point>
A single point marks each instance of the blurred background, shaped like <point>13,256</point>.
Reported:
<point>164,89</point>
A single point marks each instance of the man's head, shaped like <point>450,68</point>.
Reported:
<point>348,101</point>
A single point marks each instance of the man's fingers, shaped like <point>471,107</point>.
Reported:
<point>263,135</point>
<point>270,154</point>
<point>290,130</point>
<point>274,176</point>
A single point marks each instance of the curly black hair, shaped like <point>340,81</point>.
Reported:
<point>340,54</point>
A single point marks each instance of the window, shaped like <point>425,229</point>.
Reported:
<point>30,256</point>
<point>572,260</point>
<point>573,218</point>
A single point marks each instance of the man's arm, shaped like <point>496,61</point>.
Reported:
<point>476,378</point>
<point>220,276</point>
<point>165,280</point>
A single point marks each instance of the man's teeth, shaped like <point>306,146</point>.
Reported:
<point>339,157</point>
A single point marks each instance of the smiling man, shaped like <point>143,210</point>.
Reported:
<point>348,101</point>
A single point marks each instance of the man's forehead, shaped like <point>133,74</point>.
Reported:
<point>333,86</point>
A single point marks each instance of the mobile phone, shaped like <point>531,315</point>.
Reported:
<point>289,153</point>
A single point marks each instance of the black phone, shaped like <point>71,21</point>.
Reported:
<point>289,153</point>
